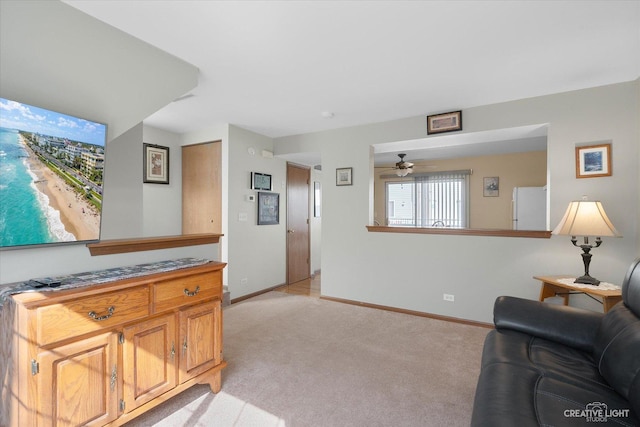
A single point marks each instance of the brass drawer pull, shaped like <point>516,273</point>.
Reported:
<point>97,318</point>
<point>192,294</point>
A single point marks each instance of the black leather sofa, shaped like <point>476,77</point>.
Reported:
<point>553,365</point>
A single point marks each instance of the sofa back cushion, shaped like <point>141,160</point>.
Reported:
<point>631,288</point>
<point>617,346</point>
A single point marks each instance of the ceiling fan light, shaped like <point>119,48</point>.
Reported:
<point>403,168</point>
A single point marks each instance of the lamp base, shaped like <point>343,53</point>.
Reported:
<point>586,260</point>
<point>587,280</point>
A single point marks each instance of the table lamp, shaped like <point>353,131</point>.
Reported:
<point>588,219</point>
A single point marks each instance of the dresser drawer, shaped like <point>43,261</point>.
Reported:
<point>61,321</point>
<point>186,290</point>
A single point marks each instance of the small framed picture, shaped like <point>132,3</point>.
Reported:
<point>343,176</point>
<point>491,186</point>
<point>445,122</point>
<point>261,181</point>
<point>593,161</point>
<point>155,164</point>
<point>268,208</point>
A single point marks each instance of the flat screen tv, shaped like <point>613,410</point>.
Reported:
<point>51,176</point>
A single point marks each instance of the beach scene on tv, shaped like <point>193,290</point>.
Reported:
<point>51,172</point>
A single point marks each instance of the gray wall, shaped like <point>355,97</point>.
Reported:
<point>162,203</point>
<point>122,188</point>
<point>316,225</point>
<point>257,253</point>
<point>637,132</point>
<point>413,271</point>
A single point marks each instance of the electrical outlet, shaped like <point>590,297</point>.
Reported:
<point>448,297</point>
<point>244,281</point>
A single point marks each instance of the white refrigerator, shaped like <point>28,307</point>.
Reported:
<point>529,208</point>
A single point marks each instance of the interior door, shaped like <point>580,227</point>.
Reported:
<point>298,240</point>
<point>202,188</point>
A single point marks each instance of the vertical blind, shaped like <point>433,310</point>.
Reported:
<point>437,199</point>
<point>442,199</point>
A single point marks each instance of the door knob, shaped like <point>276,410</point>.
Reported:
<point>291,231</point>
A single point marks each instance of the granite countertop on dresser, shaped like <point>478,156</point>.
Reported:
<point>89,278</point>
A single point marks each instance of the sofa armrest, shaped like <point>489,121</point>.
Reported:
<point>566,325</point>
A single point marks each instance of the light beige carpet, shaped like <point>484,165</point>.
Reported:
<point>298,361</point>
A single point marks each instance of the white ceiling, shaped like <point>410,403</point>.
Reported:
<point>274,67</point>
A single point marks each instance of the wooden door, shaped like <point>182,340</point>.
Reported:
<point>298,243</point>
<point>149,360</point>
<point>200,339</point>
<point>202,188</point>
<point>77,382</point>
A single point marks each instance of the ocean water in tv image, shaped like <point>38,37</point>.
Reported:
<point>23,209</point>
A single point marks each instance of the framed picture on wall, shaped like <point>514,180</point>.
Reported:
<point>343,176</point>
<point>155,166</point>
<point>261,181</point>
<point>445,122</point>
<point>593,161</point>
<point>268,208</point>
<point>491,186</point>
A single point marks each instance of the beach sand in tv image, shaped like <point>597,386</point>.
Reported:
<point>51,171</point>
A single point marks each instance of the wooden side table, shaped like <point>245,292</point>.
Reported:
<point>552,286</point>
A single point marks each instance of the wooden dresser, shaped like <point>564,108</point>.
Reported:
<point>104,354</point>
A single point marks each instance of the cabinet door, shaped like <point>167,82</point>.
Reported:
<point>201,339</point>
<point>77,383</point>
<point>149,360</point>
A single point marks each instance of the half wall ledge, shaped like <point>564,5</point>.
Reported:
<point>461,231</point>
<point>119,246</point>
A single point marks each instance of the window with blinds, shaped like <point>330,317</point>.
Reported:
<point>439,199</point>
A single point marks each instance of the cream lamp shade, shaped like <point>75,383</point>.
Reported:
<point>586,218</point>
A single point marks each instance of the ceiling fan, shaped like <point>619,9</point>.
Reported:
<point>403,168</point>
